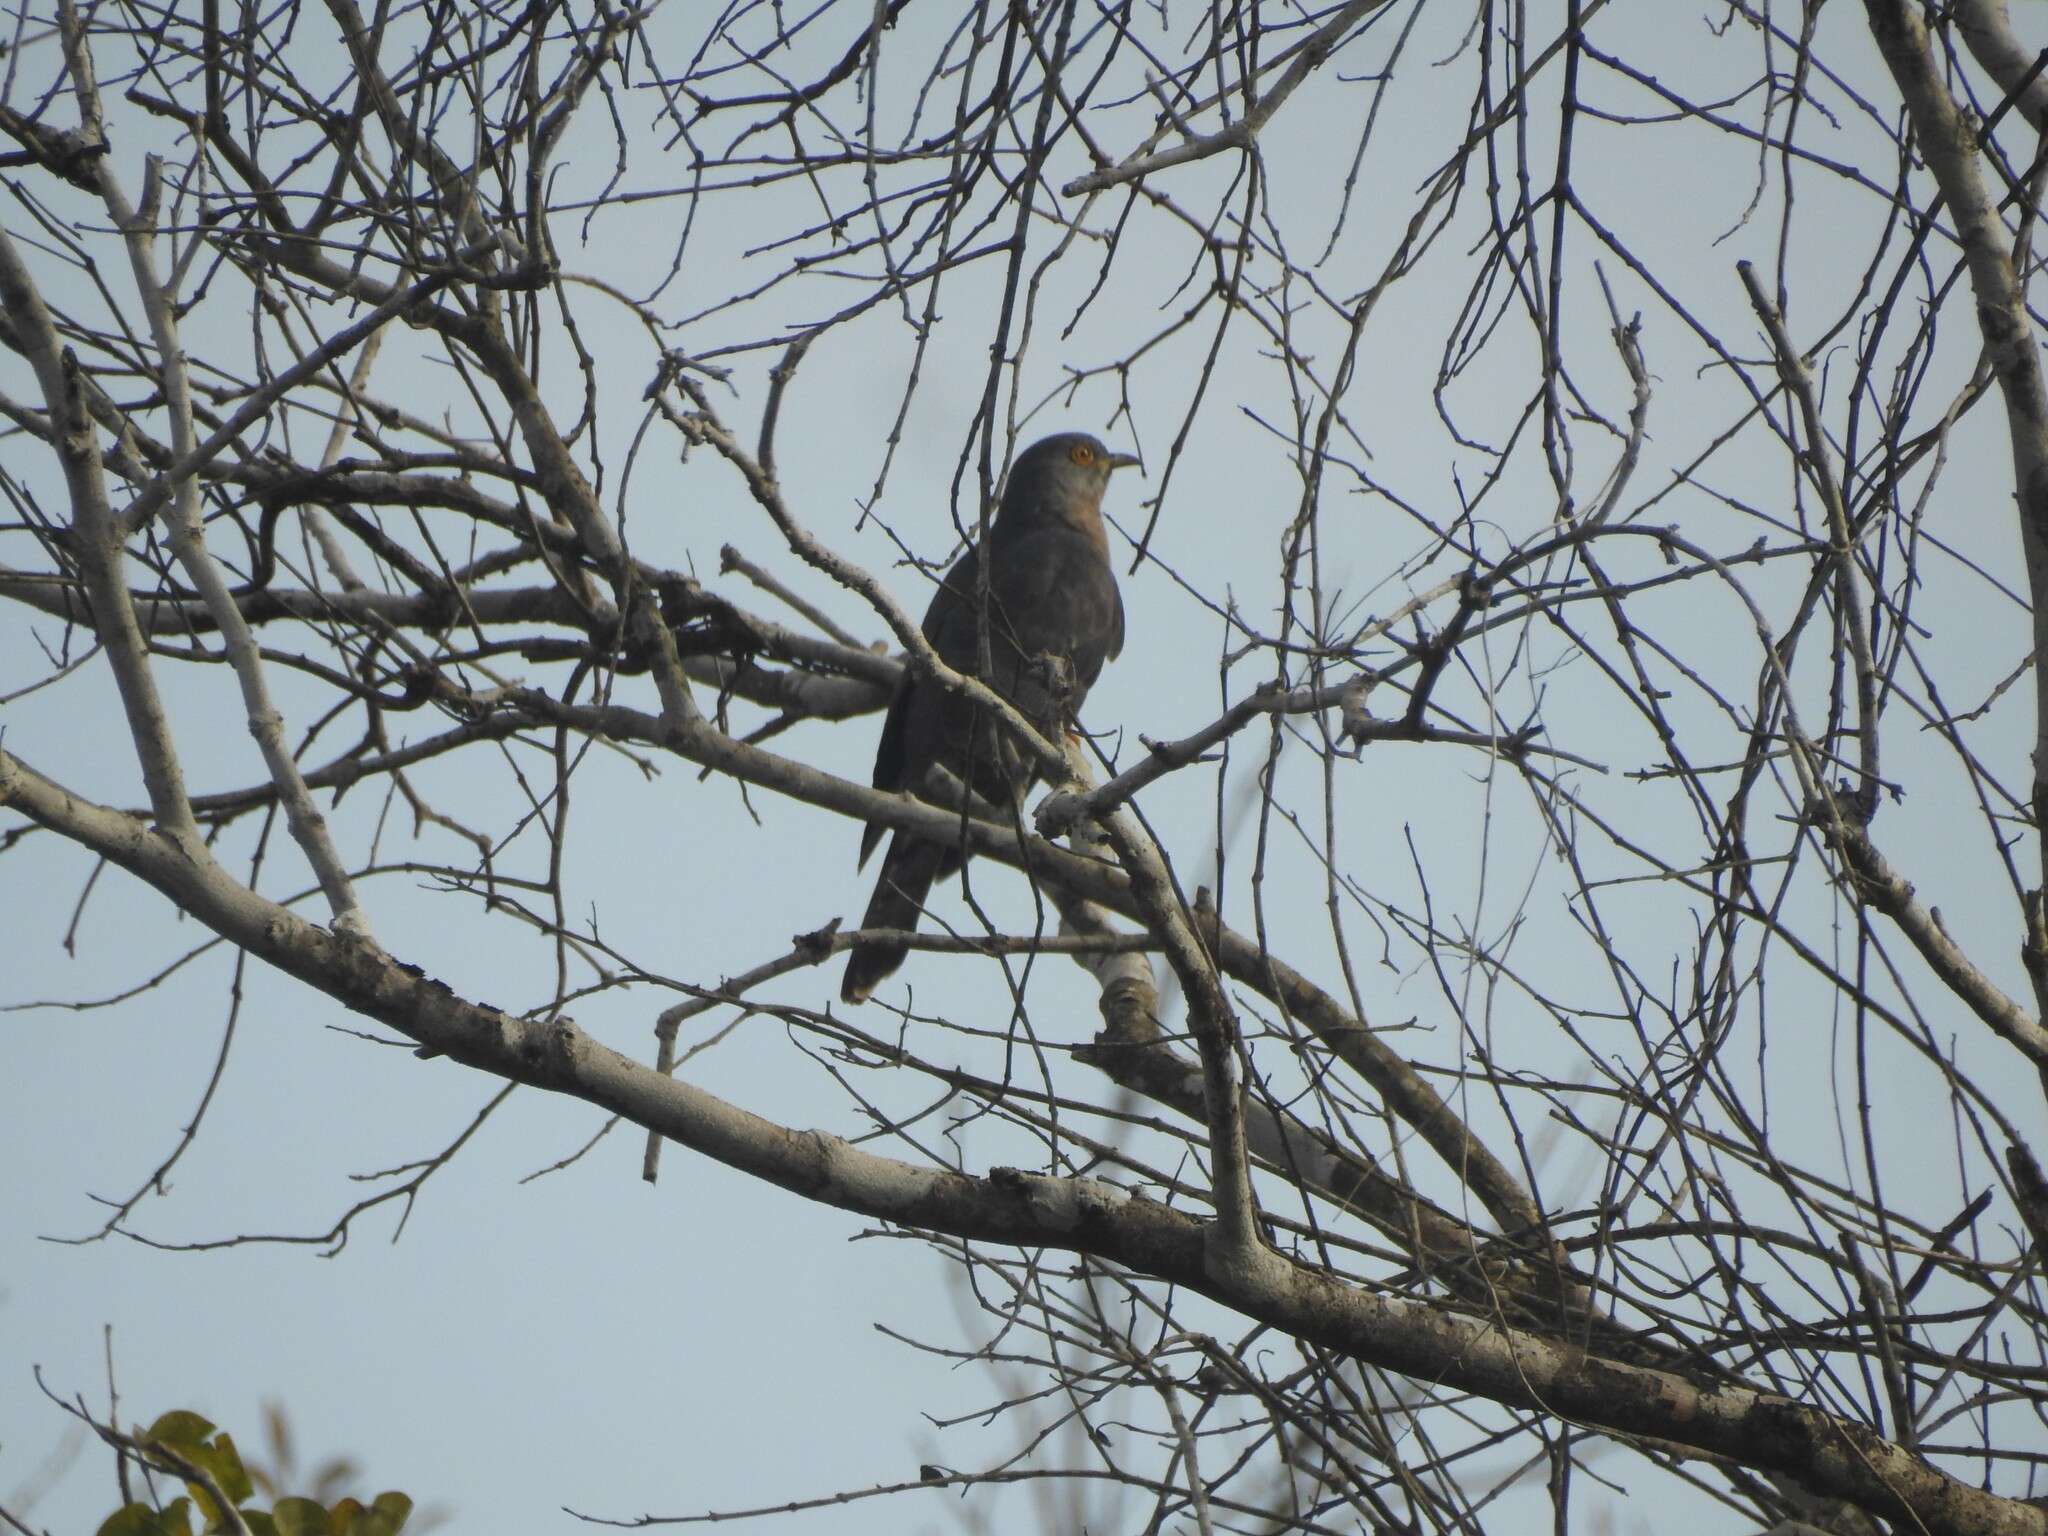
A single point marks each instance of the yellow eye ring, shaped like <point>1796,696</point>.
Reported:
<point>1081,453</point>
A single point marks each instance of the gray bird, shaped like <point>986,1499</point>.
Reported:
<point>1054,617</point>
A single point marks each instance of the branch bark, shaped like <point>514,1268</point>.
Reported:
<point>1011,1207</point>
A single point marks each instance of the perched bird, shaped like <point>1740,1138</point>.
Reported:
<point>1054,617</point>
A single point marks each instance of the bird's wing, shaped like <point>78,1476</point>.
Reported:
<point>949,629</point>
<point>888,762</point>
<point>949,624</point>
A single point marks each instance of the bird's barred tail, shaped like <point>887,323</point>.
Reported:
<point>909,869</point>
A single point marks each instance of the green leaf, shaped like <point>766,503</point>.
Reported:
<point>299,1517</point>
<point>371,1523</point>
<point>180,1429</point>
<point>385,1517</point>
<point>225,1463</point>
<point>128,1520</point>
<point>174,1519</point>
<point>215,1520</point>
<point>238,1482</point>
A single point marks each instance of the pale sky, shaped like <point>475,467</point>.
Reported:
<point>711,1343</point>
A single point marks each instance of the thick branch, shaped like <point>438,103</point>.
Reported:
<point>186,527</point>
<point>94,542</point>
<point>2010,341</point>
<point>1507,1365</point>
<point>1986,28</point>
<point>1400,1087</point>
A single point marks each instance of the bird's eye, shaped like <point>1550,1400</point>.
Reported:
<point>1081,453</point>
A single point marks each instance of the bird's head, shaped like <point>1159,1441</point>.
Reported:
<point>1062,477</point>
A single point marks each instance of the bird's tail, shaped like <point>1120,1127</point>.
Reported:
<point>908,870</point>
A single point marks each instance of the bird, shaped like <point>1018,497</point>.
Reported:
<point>1054,617</point>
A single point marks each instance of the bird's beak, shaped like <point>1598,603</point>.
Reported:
<point>1125,461</point>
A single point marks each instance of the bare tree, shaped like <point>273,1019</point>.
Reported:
<point>1563,878</point>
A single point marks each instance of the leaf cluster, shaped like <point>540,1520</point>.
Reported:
<point>205,1459</point>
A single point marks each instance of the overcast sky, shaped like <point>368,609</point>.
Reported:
<point>585,1340</point>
